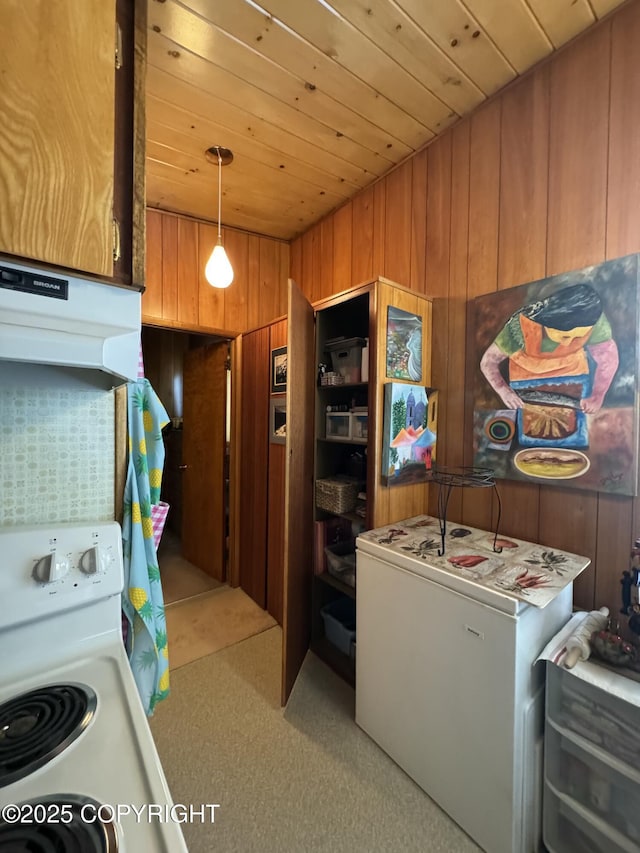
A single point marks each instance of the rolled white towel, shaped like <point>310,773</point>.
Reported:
<point>578,647</point>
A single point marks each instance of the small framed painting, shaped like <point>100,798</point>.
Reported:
<point>278,370</point>
<point>409,433</point>
<point>404,345</point>
<point>278,420</point>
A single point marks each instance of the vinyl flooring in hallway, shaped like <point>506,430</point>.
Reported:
<point>203,615</point>
<point>180,578</point>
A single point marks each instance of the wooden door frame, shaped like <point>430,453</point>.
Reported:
<point>121,453</point>
<point>233,567</point>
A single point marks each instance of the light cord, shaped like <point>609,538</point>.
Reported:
<point>219,194</point>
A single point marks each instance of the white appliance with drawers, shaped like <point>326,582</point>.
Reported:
<point>592,760</point>
<point>75,743</point>
<point>446,682</point>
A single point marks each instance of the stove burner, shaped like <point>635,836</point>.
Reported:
<point>72,828</point>
<point>37,726</point>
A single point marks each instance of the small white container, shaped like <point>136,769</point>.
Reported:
<point>359,425</point>
<point>364,367</point>
<point>338,426</point>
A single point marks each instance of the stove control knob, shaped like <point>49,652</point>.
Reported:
<point>94,560</point>
<point>50,568</point>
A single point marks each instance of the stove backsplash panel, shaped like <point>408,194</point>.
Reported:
<point>57,448</point>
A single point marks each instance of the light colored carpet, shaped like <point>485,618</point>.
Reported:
<point>303,779</point>
<point>180,579</point>
<point>210,622</point>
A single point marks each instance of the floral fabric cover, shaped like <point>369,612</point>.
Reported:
<point>522,570</point>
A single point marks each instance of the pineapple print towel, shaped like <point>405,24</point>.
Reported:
<point>142,600</point>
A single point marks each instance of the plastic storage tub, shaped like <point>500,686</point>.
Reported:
<point>593,779</point>
<point>359,426</point>
<point>338,426</point>
<point>570,828</point>
<point>341,562</point>
<point>595,714</point>
<point>346,357</point>
<point>339,618</point>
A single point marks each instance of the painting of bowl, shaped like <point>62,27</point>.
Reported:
<point>551,463</point>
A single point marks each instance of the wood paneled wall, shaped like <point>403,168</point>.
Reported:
<point>260,521</point>
<point>544,178</point>
<point>177,294</point>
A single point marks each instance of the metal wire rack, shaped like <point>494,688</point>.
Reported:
<point>449,478</point>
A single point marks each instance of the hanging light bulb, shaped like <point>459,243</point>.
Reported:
<point>218,271</point>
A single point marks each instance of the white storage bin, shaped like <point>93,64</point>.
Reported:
<point>341,561</point>
<point>594,780</point>
<point>364,371</point>
<point>359,425</point>
<point>346,357</point>
<point>597,712</point>
<point>338,426</point>
<point>569,828</point>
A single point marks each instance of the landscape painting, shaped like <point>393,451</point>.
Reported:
<point>409,433</point>
<point>555,380</point>
<point>404,345</point>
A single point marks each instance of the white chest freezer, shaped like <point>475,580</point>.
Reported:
<point>446,681</point>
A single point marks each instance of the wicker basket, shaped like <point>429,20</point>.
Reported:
<point>337,494</point>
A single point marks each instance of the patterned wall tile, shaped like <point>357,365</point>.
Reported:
<point>57,449</point>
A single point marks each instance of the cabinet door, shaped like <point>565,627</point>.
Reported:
<point>56,150</point>
<point>253,464</point>
<point>301,378</point>
<point>203,454</point>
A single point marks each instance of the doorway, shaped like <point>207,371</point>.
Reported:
<point>190,373</point>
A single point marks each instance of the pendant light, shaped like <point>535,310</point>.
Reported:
<point>218,271</point>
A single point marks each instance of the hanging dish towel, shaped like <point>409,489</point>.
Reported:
<point>142,600</point>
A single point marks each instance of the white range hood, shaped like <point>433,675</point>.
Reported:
<point>57,319</point>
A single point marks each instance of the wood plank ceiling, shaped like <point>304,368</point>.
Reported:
<point>318,98</point>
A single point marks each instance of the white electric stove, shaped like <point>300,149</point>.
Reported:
<point>76,754</point>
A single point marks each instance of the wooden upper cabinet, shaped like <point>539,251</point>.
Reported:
<point>58,138</point>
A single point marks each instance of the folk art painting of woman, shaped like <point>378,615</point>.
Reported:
<point>555,392</point>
